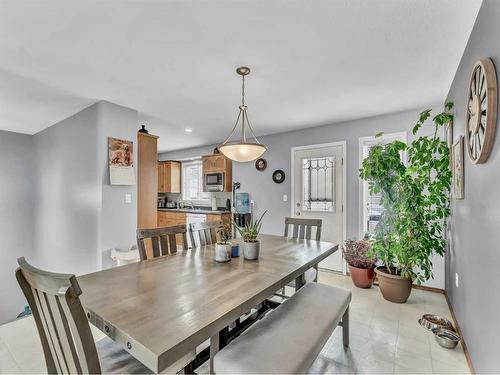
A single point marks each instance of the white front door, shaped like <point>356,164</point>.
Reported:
<point>318,193</point>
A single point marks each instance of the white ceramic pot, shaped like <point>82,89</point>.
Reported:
<point>251,250</point>
<point>222,252</point>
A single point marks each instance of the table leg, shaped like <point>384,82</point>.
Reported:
<point>300,282</point>
<point>214,349</point>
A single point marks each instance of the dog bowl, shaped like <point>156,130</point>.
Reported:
<point>431,321</point>
<point>446,338</point>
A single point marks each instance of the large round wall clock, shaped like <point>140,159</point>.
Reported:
<point>481,117</point>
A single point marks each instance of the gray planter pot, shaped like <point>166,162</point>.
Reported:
<point>222,252</point>
<point>251,250</point>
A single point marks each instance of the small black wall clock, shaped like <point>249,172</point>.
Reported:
<point>278,176</point>
<point>261,164</point>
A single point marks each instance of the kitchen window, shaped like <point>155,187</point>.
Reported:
<point>192,182</point>
<point>371,208</point>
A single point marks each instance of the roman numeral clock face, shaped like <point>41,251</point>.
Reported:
<point>481,118</point>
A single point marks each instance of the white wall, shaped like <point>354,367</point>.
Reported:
<point>268,195</point>
<point>17,190</point>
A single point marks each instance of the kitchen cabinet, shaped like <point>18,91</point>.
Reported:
<point>225,218</point>
<point>218,163</point>
<point>169,176</point>
<point>215,163</point>
<point>170,218</point>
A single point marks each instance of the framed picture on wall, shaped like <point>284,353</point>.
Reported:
<point>448,133</point>
<point>458,168</point>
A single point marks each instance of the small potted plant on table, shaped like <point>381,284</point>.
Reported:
<point>223,247</point>
<point>250,234</point>
<point>361,262</point>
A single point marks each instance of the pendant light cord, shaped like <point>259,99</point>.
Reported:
<point>244,116</point>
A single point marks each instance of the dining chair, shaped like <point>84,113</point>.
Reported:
<point>67,341</point>
<point>302,230</point>
<point>163,241</point>
<point>205,233</point>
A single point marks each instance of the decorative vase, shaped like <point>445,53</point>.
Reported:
<point>362,277</point>
<point>394,288</point>
<point>251,250</point>
<point>222,252</point>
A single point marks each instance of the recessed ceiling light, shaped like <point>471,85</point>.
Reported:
<point>188,130</point>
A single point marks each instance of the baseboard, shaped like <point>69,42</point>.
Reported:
<point>457,326</point>
<point>428,288</point>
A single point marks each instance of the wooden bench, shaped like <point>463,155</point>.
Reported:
<point>289,339</point>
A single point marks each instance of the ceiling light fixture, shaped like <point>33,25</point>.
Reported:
<point>243,150</point>
<point>188,130</point>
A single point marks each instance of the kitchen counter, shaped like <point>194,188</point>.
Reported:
<point>201,211</point>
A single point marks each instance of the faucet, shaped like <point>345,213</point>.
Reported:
<point>183,204</point>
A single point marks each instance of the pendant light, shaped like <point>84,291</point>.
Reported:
<point>243,150</point>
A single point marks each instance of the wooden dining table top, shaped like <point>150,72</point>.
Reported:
<point>161,309</point>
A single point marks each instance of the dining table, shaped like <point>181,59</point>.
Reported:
<point>161,309</point>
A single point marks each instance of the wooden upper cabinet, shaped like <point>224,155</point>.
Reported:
<point>218,163</point>
<point>215,163</point>
<point>169,176</point>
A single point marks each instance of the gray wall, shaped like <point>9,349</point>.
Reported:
<point>66,204</point>
<point>17,195</point>
<point>268,195</point>
<point>475,253</point>
<point>118,220</point>
<point>57,207</point>
<point>79,215</point>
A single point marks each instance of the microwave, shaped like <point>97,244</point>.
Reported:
<point>214,181</point>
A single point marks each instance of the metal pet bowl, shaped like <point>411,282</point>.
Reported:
<point>431,321</point>
<point>446,338</point>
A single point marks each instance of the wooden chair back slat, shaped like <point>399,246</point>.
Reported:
<point>164,240</point>
<point>302,228</point>
<point>64,331</point>
<point>173,243</point>
<point>205,232</point>
<point>156,246</point>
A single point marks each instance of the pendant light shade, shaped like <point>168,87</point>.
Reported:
<point>242,151</point>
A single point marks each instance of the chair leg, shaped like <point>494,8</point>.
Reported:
<point>345,328</point>
<point>300,282</point>
<point>316,277</point>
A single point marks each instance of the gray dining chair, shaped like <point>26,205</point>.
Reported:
<point>161,241</point>
<point>202,234</point>
<point>302,229</point>
<point>67,341</point>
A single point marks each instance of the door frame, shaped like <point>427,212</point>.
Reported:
<point>343,144</point>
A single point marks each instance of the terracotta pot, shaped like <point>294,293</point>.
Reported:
<point>394,288</point>
<point>362,277</point>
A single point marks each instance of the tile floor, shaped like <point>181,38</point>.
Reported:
<point>385,338</point>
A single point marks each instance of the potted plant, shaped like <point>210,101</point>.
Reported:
<point>250,233</point>
<point>416,200</point>
<point>361,262</point>
<point>223,248</point>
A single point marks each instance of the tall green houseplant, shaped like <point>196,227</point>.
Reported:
<point>415,197</point>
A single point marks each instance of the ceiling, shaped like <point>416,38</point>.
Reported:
<point>313,62</point>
